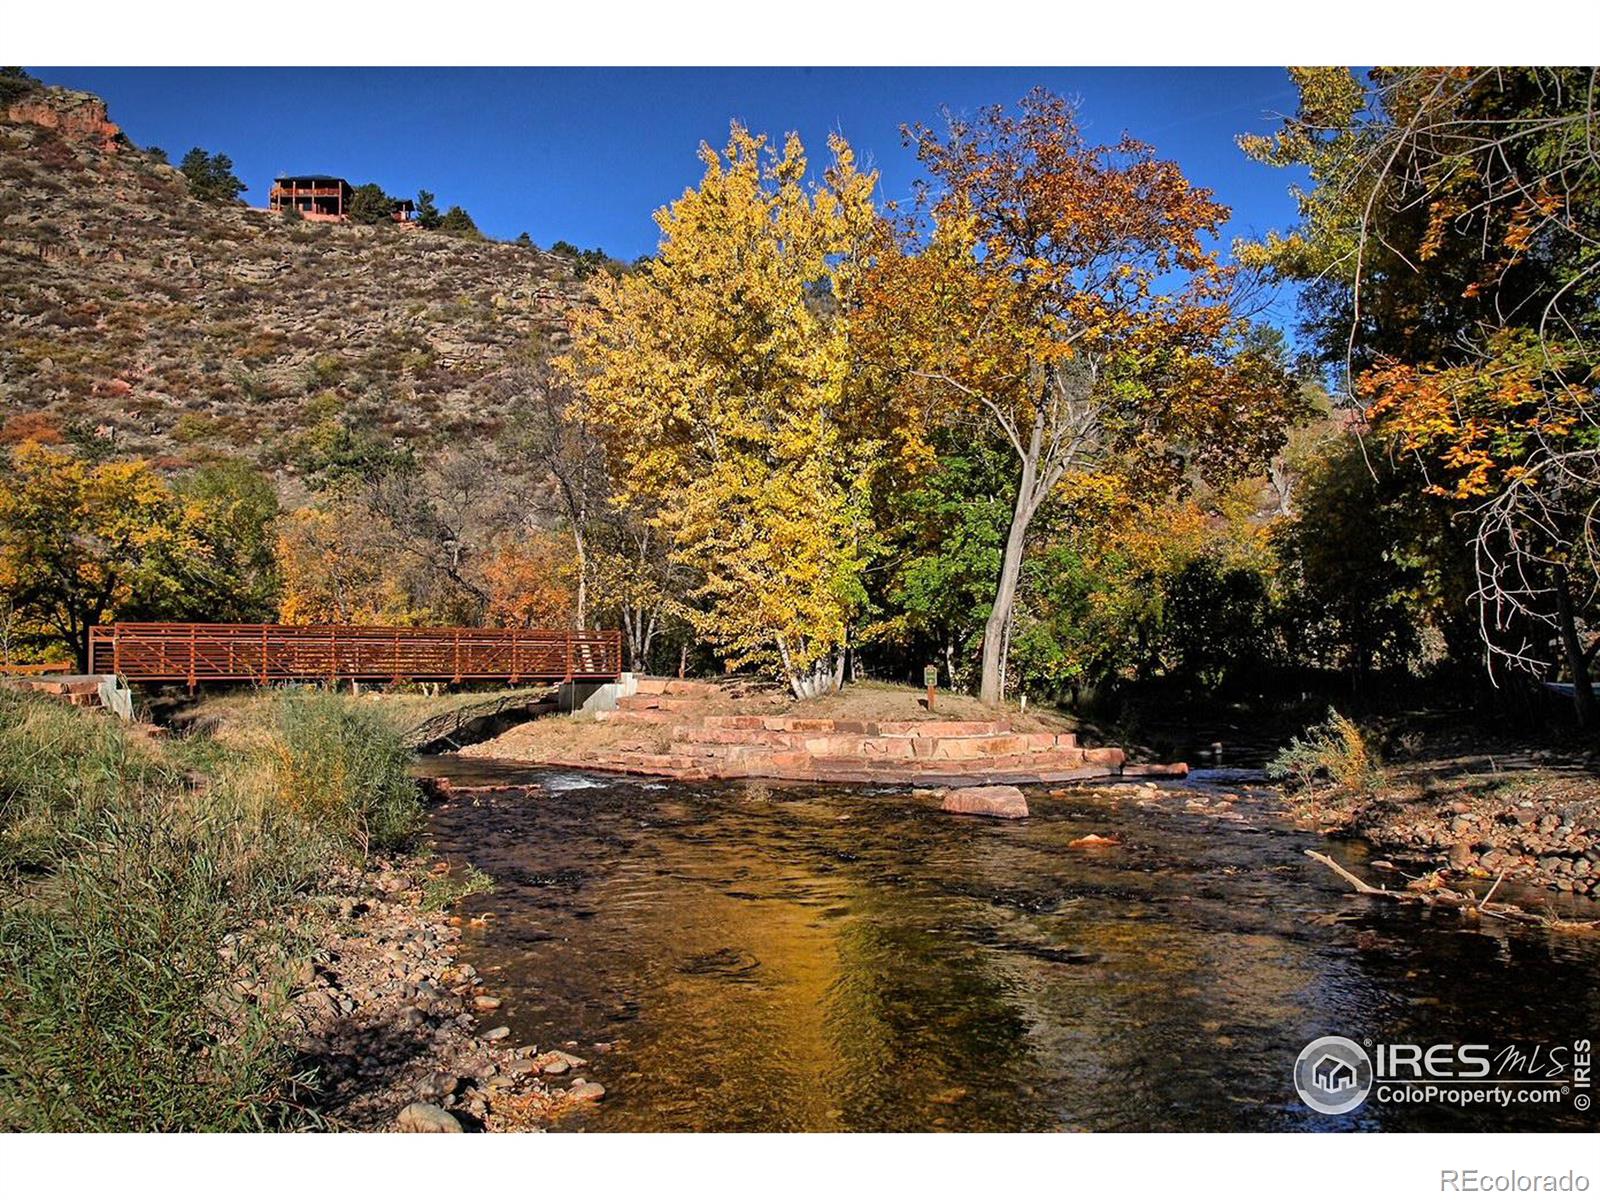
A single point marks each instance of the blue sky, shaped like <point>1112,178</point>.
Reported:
<point>587,154</point>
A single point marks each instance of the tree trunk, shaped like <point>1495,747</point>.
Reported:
<point>582,552</point>
<point>1005,592</point>
<point>822,677</point>
<point>1577,661</point>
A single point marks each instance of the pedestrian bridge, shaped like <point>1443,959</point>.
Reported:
<point>198,652</point>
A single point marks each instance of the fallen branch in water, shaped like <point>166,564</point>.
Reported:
<point>1438,894</point>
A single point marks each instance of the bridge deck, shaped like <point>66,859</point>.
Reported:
<point>188,652</point>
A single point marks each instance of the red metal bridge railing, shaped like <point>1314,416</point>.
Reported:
<point>190,652</point>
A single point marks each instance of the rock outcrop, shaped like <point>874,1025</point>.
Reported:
<point>76,116</point>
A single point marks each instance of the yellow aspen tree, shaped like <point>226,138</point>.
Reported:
<point>718,376</point>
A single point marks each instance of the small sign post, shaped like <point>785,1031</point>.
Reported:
<point>930,677</point>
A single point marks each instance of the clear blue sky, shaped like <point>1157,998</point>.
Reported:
<point>586,155</point>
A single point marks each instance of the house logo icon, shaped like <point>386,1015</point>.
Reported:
<point>1333,1075</point>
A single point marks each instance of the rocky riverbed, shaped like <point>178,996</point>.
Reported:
<point>1538,827</point>
<point>401,1032</point>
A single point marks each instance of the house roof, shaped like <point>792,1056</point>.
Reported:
<point>312,179</point>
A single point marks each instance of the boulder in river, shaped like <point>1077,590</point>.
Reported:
<point>1002,800</point>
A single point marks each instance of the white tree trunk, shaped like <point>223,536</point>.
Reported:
<point>991,686</point>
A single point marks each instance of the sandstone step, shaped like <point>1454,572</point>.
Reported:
<point>946,728</point>
<point>852,745</point>
<point>957,747</point>
<point>691,687</point>
<point>735,722</point>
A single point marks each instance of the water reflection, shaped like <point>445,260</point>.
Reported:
<point>787,958</point>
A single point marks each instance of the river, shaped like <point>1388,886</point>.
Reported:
<point>798,957</point>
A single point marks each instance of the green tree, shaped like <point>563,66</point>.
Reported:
<point>238,506</point>
<point>211,176</point>
<point>457,221</point>
<point>428,215</point>
<point>369,205</point>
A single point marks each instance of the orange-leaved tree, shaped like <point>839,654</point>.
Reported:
<point>531,580</point>
<point>1066,293</point>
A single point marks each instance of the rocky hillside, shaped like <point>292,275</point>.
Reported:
<point>133,312</point>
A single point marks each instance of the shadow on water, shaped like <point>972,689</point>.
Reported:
<point>765,957</point>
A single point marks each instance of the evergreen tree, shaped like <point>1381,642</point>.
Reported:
<point>211,176</point>
<point>428,215</point>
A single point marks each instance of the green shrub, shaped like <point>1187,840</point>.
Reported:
<point>122,1004</point>
<point>1336,750</point>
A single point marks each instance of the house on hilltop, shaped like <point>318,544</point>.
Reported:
<point>318,197</point>
<point>324,198</point>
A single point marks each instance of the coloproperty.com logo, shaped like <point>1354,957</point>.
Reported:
<point>1335,1075</point>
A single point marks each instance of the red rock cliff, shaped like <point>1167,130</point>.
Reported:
<point>77,116</point>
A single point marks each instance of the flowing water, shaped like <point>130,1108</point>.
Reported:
<point>798,957</point>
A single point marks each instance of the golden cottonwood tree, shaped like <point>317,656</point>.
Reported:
<point>81,542</point>
<point>1065,293</point>
<point>718,377</point>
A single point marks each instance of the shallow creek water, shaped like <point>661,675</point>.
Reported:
<point>799,957</point>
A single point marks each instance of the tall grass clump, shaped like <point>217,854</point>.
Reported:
<point>152,905</point>
<point>1335,750</point>
<point>141,987</point>
<point>342,767</point>
<point>58,771</point>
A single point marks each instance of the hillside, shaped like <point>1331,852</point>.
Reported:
<point>177,329</point>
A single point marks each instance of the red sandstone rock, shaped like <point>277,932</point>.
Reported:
<point>1105,756</point>
<point>928,729</point>
<point>1090,840</point>
<point>77,116</point>
<point>1000,801</point>
<point>1156,770</point>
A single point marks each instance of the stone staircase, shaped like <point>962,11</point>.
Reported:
<point>702,745</point>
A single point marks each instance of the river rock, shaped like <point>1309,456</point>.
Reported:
<point>486,1003</point>
<point>583,1089</point>
<point>426,1118</point>
<point>999,801</point>
<point>1090,840</point>
<point>499,1033</point>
